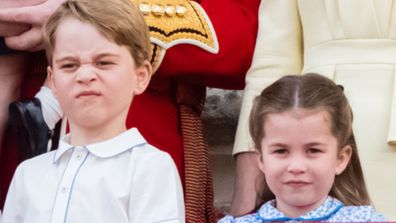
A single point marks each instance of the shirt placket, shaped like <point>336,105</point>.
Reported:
<point>65,190</point>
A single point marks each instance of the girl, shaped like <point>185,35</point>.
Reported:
<point>301,127</point>
<point>351,42</point>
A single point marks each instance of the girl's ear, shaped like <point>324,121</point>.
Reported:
<point>143,76</point>
<point>343,159</point>
<point>260,161</point>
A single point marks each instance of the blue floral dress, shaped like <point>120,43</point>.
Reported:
<point>332,210</point>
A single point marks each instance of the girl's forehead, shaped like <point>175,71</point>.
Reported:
<point>298,124</point>
<point>319,114</point>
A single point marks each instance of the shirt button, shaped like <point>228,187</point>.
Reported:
<point>78,156</point>
<point>64,190</point>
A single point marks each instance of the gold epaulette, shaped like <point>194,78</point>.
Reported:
<point>173,22</point>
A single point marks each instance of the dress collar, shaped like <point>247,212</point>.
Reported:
<point>268,212</point>
<point>105,149</point>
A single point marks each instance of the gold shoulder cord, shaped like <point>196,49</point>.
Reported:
<point>173,22</point>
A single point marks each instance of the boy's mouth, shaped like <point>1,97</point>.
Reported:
<point>88,93</point>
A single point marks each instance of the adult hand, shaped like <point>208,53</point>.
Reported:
<point>9,29</point>
<point>34,15</point>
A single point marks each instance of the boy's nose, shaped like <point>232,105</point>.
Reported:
<point>86,74</point>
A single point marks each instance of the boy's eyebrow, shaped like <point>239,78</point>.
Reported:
<point>96,57</point>
<point>107,54</point>
<point>65,58</point>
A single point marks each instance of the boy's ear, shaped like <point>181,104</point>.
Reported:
<point>50,79</point>
<point>143,76</point>
<point>344,156</point>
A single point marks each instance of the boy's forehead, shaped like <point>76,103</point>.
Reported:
<point>73,33</point>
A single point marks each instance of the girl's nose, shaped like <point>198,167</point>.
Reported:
<point>297,166</point>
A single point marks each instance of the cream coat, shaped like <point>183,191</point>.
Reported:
<point>352,42</point>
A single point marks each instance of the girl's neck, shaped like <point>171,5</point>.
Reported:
<point>294,211</point>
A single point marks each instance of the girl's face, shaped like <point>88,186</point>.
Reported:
<point>300,158</point>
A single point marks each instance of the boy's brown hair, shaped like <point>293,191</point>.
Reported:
<point>118,20</point>
<point>314,91</point>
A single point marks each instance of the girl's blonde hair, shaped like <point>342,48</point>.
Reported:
<point>118,20</point>
<point>313,91</point>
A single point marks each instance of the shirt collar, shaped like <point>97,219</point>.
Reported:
<point>268,212</point>
<point>108,148</point>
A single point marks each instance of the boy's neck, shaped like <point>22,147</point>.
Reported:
<point>80,136</point>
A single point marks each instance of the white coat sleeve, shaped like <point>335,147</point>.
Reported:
<point>278,52</point>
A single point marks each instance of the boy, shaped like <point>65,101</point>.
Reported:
<point>102,172</point>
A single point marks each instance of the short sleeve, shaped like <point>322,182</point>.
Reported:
<point>157,194</point>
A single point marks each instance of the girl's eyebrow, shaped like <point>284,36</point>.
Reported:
<point>312,144</point>
<point>277,144</point>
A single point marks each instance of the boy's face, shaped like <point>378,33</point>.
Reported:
<point>300,159</point>
<point>93,78</point>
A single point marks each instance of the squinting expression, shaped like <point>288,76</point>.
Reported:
<point>300,159</point>
<point>93,78</point>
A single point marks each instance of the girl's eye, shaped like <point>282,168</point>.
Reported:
<point>280,151</point>
<point>314,150</point>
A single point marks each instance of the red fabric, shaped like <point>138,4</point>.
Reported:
<point>9,160</point>
<point>235,23</point>
<point>155,112</point>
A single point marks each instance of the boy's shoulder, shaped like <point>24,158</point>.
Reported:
<point>150,154</point>
<point>40,161</point>
<point>35,166</point>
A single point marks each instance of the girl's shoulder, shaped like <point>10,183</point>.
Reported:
<point>363,213</point>
<point>266,213</point>
<point>250,218</point>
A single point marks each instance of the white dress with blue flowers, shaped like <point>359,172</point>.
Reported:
<point>332,210</point>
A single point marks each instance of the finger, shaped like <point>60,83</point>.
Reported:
<point>26,41</point>
<point>18,3</point>
<point>10,29</point>
<point>39,47</point>
<point>28,14</point>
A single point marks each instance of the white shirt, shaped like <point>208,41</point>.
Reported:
<point>123,179</point>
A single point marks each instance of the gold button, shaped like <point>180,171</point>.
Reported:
<point>181,10</point>
<point>144,8</point>
<point>169,10</point>
<point>157,10</point>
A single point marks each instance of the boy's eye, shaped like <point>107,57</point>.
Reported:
<point>68,66</point>
<point>104,63</point>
